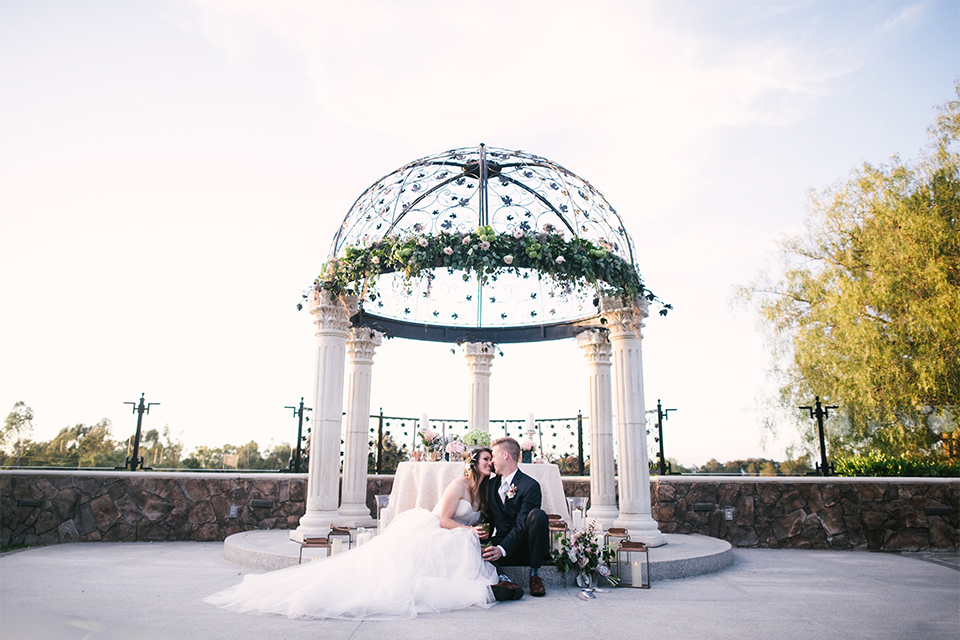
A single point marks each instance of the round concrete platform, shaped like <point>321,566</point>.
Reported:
<point>683,556</point>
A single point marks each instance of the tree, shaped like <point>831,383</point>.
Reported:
<point>80,446</point>
<point>160,450</point>
<point>866,313</point>
<point>17,426</point>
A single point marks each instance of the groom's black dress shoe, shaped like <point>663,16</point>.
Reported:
<point>506,590</point>
<point>536,587</point>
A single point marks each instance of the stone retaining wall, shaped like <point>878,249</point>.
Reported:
<point>44,507</point>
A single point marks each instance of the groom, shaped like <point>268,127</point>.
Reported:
<point>521,534</point>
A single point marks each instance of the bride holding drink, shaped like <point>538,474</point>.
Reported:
<point>425,561</point>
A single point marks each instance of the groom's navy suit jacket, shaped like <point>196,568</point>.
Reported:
<point>509,517</point>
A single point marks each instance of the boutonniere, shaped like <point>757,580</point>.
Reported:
<point>511,491</point>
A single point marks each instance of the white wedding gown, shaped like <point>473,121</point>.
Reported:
<point>413,567</point>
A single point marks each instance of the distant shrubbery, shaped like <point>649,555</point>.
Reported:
<point>880,464</point>
<point>750,467</point>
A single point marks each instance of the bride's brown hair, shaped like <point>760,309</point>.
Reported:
<point>479,483</point>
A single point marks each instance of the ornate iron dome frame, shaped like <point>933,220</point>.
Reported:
<point>452,192</point>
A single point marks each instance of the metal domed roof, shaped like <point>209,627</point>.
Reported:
<point>458,191</point>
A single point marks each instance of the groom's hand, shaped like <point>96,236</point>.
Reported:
<point>492,553</point>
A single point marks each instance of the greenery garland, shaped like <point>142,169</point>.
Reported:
<point>573,264</point>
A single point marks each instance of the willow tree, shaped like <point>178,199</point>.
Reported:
<point>865,309</point>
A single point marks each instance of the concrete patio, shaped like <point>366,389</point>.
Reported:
<point>99,591</point>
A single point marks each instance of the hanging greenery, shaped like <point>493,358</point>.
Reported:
<point>575,264</point>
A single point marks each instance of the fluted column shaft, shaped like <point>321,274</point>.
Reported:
<point>332,317</point>
<point>625,322</point>
<point>361,344</point>
<point>603,490</point>
<point>479,357</point>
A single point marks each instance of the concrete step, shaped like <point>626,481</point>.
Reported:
<point>682,557</point>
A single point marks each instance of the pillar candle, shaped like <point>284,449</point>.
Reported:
<point>336,546</point>
<point>636,573</point>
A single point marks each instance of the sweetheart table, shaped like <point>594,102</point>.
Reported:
<point>421,484</point>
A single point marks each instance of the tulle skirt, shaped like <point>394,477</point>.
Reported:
<point>413,567</point>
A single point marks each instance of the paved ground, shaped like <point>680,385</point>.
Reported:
<point>148,591</point>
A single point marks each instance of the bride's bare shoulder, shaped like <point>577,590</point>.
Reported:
<point>462,485</point>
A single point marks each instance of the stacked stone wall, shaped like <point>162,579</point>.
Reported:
<point>44,508</point>
<point>41,507</point>
<point>883,514</point>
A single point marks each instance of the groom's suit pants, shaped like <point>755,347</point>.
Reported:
<point>537,537</point>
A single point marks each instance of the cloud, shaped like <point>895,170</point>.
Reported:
<point>644,83</point>
<point>903,20</point>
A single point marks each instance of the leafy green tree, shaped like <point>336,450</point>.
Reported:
<point>795,466</point>
<point>866,313</point>
<point>279,457</point>
<point>17,428</point>
<point>160,450</point>
<point>81,446</point>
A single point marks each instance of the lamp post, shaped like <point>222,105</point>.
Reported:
<point>821,413</point>
<point>662,414</point>
<point>298,413</point>
<point>136,461</point>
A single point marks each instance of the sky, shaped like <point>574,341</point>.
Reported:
<point>172,174</point>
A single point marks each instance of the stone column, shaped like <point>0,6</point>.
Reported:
<point>603,489</point>
<point>624,323</point>
<point>361,344</point>
<point>332,317</point>
<point>479,357</point>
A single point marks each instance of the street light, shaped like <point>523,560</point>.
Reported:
<point>820,413</point>
<point>298,413</point>
<point>137,460</point>
<point>662,414</point>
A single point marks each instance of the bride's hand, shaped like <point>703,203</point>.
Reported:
<point>481,532</point>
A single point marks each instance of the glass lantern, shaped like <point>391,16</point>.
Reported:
<point>314,543</point>
<point>633,565</point>
<point>614,537</point>
<point>557,529</point>
<point>339,538</point>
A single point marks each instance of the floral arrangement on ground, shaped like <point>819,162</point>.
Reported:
<point>584,554</point>
<point>572,264</point>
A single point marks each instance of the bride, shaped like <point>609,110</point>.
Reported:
<point>423,562</point>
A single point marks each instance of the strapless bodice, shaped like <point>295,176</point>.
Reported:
<point>464,514</point>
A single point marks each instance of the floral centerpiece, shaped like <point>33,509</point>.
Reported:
<point>476,438</point>
<point>431,439</point>
<point>526,449</point>
<point>584,554</point>
<point>455,448</point>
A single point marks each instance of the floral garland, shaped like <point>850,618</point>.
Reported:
<point>575,263</point>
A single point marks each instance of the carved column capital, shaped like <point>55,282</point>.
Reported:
<point>479,356</point>
<point>332,313</point>
<point>361,343</point>
<point>596,346</point>
<point>624,320</point>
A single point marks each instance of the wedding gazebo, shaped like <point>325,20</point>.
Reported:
<point>478,247</point>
